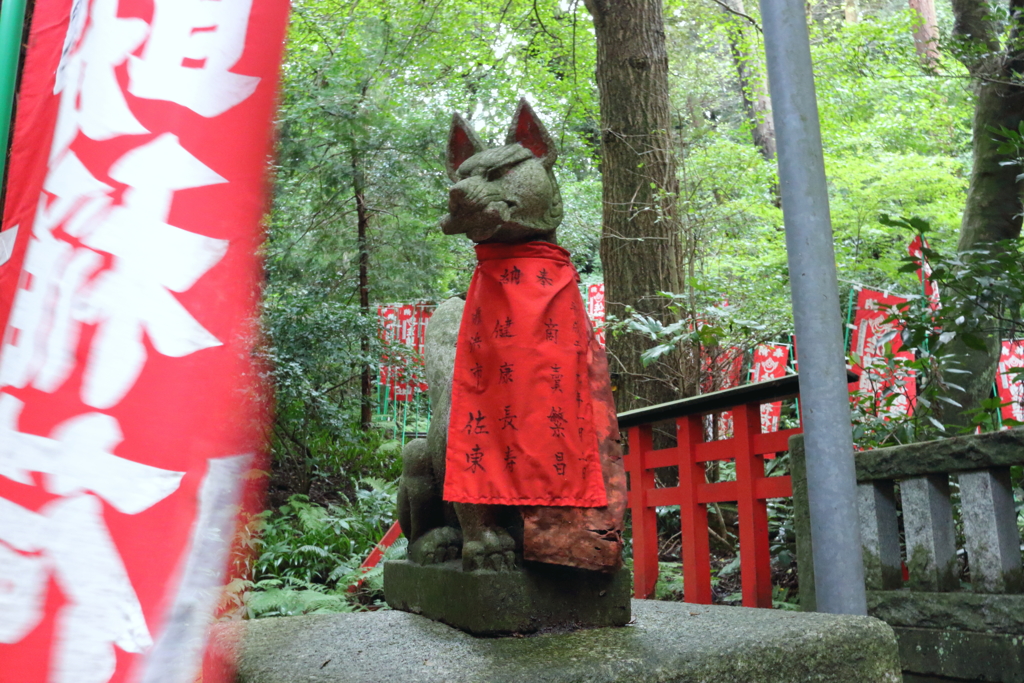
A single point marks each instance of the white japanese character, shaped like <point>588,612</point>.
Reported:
<point>152,259</point>
<point>7,239</point>
<point>91,99</point>
<point>191,47</point>
<point>42,334</point>
<point>68,538</point>
<point>78,457</point>
<point>22,585</point>
<point>102,609</point>
<point>51,273</point>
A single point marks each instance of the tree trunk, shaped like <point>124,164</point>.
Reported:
<point>754,89</point>
<point>852,12</point>
<point>641,248</point>
<point>362,222</point>
<point>993,207</point>
<point>926,34</point>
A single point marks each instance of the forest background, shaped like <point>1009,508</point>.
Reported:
<point>368,92</point>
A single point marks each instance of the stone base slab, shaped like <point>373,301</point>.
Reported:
<point>488,603</point>
<point>961,656</point>
<point>668,642</point>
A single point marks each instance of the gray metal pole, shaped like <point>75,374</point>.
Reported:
<point>831,480</point>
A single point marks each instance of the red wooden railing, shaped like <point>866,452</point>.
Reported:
<point>750,490</point>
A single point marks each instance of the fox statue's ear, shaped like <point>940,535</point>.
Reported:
<point>462,144</point>
<point>528,131</point>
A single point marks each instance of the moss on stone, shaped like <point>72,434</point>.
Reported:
<point>956,454</point>
<point>961,611</point>
<point>668,642</point>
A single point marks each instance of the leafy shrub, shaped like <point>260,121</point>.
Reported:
<point>306,556</point>
<point>982,293</point>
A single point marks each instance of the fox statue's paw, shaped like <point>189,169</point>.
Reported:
<point>494,549</point>
<point>436,546</point>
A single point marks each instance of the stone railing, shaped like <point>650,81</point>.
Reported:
<point>960,630</point>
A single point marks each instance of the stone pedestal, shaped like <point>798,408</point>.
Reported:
<point>486,603</point>
<point>670,642</point>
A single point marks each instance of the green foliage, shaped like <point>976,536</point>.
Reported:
<point>315,354</point>
<point>306,556</point>
<point>670,582</point>
<point>318,544</point>
<point>276,598</point>
<point>982,296</point>
<point>897,139</point>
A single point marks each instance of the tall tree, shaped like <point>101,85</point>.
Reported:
<point>852,12</point>
<point>926,33</point>
<point>640,243</point>
<point>753,83</point>
<point>992,212</point>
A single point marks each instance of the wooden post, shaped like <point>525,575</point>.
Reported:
<point>645,521</point>
<point>693,515</point>
<point>755,559</point>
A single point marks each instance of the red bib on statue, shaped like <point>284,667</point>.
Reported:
<point>521,430</point>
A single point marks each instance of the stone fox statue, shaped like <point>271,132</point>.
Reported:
<point>522,459</point>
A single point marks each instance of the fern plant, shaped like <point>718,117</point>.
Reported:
<point>306,556</point>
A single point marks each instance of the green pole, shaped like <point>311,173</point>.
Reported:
<point>12,27</point>
<point>849,318</point>
<point>999,410</point>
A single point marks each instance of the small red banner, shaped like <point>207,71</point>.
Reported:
<point>721,370</point>
<point>769,363</point>
<point>924,273</point>
<point>403,332</point>
<point>129,405</point>
<point>595,310</point>
<point>870,338</point>
<point>1010,385</point>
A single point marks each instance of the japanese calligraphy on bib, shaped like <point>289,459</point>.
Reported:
<point>521,430</point>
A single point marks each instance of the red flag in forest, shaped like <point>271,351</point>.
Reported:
<point>721,370</point>
<point>924,272</point>
<point>595,310</point>
<point>1008,383</point>
<point>893,388</point>
<point>769,363</point>
<point>403,333</point>
<point>129,405</point>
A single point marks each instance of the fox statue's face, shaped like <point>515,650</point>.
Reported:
<point>503,194</point>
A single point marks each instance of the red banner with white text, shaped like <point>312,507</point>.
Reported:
<point>130,408</point>
<point>769,363</point>
<point>595,310</point>
<point>1010,384</point>
<point>403,331</point>
<point>924,272</point>
<point>873,337</point>
<point>721,368</point>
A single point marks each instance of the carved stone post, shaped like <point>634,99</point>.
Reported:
<point>879,535</point>
<point>928,525</point>
<point>990,527</point>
